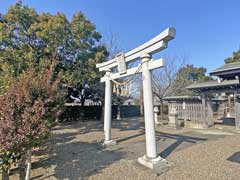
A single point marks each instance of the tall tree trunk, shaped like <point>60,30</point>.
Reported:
<point>5,175</point>
<point>21,166</point>
<point>29,164</point>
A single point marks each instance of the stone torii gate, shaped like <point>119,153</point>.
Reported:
<point>144,52</point>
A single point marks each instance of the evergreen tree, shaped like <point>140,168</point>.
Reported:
<point>28,39</point>
<point>235,57</point>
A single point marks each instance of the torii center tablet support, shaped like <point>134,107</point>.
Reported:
<point>144,52</point>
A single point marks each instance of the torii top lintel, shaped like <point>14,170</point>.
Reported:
<point>154,45</point>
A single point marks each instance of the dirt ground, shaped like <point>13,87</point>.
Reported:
<point>75,152</point>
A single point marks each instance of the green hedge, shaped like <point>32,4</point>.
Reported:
<point>75,113</point>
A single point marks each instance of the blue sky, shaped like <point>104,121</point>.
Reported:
<point>207,30</point>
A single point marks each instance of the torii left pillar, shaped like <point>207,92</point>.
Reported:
<point>108,110</point>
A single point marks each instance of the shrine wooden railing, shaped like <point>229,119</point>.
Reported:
<point>195,112</point>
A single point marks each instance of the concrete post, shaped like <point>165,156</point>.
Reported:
<point>229,106</point>
<point>237,118</point>
<point>118,112</point>
<point>108,109</point>
<point>210,119</point>
<point>156,111</point>
<point>151,159</point>
<point>204,104</point>
<point>237,111</point>
<point>173,118</point>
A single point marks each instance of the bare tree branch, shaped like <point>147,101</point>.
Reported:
<point>164,78</point>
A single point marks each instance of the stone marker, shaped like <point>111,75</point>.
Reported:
<point>156,111</point>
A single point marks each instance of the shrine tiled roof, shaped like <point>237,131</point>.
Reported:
<point>226,67</point>
<point>212,84</point>
<point>170,98</point>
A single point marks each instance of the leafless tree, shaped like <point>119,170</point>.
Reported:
<point>112,43</point>
<point>164,78</point>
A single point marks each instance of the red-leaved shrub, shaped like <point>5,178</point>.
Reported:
<point>27,110</point>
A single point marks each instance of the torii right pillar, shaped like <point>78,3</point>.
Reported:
<point>151,159</point>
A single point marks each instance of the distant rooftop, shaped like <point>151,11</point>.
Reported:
<point>209,84</point>
<point>173,98</point>
<point>226,67</point>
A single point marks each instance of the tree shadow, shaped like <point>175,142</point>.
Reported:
<point>74,159</point>
<point>128,124</point>
<point>82,127</point>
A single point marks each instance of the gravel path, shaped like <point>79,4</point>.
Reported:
<point>74,152</point>
<point>211,160</point>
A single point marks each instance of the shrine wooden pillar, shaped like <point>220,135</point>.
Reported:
<point>207,104</point>
<point>237,110</point>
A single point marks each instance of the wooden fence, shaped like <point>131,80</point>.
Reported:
<point>195,112</point>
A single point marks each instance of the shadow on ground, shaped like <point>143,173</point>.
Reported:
<point>179,139</point>
<point>167,142</point>
<point>74,159</point>
<point>235,157</point>
<point>81,127</point>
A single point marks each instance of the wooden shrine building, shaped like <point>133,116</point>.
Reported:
<point>218,99</point>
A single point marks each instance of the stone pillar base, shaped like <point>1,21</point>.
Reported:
<point>172,121</point>
<point>174,126</point>
<point>238,129</point>
<point>158,123</point>
<point>109,143</point>
<point>157,164</point>
<point>118,118</point>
